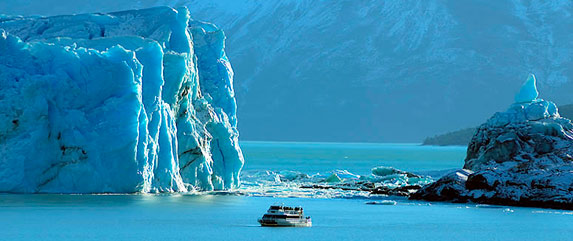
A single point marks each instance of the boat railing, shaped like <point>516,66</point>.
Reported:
<point>285,208</point>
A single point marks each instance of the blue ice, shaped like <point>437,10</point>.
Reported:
<point>528,91</point>
<point>133,101</point>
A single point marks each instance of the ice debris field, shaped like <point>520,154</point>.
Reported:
<point>133,101</point>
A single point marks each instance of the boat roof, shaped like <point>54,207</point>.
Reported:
<point>276,207</point>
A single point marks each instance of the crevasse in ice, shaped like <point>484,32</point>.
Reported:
<point>133,101</point>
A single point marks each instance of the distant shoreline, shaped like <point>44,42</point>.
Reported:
<point>463,137</point>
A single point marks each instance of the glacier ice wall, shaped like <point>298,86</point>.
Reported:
<point>133,101</point>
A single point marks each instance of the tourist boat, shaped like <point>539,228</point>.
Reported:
<point>283,216</point>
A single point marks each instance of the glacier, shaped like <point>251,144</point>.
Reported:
<point>523,157</point>
<point>131,101</point>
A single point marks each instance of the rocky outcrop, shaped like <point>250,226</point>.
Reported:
<point>521,157</point>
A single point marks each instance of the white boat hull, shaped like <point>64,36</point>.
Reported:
<point>286,223</point>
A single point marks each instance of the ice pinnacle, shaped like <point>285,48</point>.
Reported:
<point>528,91</point>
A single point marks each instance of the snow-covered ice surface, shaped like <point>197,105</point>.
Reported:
<point>133,101</point>
<point>523,156</point>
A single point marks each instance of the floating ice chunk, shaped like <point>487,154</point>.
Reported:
<point>508,210</point>
<point>528,91</point>
<point>333,178</point>
<point>382,171</point>
<point>293,175</point>
<point>345,174</point>
<point>383,202</point>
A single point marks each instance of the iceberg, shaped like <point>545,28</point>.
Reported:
<point>522,157</point>
<point>528,91</point>
<point>333,178</point>
<point>132,101</point>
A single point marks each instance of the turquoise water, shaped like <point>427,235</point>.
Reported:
<point>358,158</point>
<point>181,217</point>
<point>231,217</point>
<point>279,169</point>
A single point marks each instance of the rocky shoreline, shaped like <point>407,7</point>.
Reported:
<point>402,191</point>
<point>459,190</point>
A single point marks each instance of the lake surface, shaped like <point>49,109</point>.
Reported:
<point>358,158</point>
<point>232,217</point>
<point>209,217</point>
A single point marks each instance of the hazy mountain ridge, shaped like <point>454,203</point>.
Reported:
<point>375,71</point>
<point>391,71</point>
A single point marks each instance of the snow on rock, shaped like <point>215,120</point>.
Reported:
<point>133,101</point>
<point>523,156</point>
